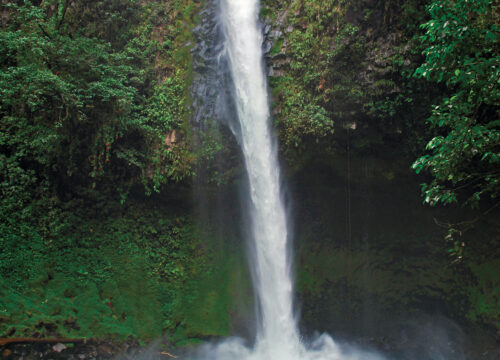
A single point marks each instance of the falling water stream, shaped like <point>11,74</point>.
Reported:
<point>277,335</point>
<point>268,221</point>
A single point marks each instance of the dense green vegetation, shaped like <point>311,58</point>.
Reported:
<point>94,107</point>
<point>345,65</point>
<point>349,62</point>
<point>462,43</point>
<point>99,234</point>
<point>85,99</point>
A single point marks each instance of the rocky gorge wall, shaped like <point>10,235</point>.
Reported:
<point>350,121</point>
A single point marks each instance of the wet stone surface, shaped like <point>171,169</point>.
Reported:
<point>79,351</point>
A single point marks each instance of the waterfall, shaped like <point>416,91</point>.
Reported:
<point>268,221</point>
<point>277,335</point>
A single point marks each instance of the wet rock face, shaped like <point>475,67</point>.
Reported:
<point>204,65</point>
<point>210,69</point>
<point>82,351</point>
<point>59,351</point>
<point>277,60</point>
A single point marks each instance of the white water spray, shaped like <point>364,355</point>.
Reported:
<point>277,337</point>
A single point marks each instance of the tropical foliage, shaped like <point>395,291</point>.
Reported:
<point>73,98</point>
<point>462,55</point>
<point>85,109</point>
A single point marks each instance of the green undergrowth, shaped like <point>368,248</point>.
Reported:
<point>100,116</point>
<point>98,279</point>
<point>209,300</point>
<point>140,273</point>
<point>485,297</point>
